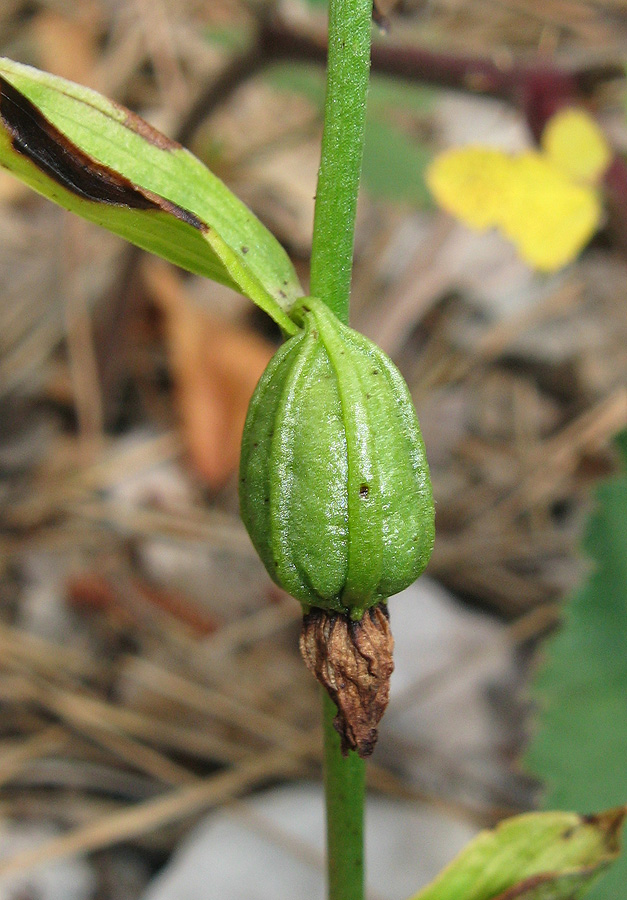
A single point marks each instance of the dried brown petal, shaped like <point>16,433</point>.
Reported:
<point>353,661</point>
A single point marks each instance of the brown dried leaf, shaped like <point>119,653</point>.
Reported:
<point>215,366</point>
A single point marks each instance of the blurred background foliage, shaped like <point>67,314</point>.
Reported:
<point>143,653</point>
<point>580,734</point>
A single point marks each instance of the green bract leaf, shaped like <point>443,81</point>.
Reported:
<point>538,856</point>
<point>99,160</point>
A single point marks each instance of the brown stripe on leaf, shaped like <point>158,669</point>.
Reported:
<point>34,137</point>
<point>146,131</point>
<point>550,885</point>
<point>353,661</point>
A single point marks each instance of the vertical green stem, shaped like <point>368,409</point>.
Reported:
<point>344,791</point>
<point>348,70</point>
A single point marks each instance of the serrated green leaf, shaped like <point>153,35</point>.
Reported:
<point>104,163</point>
<point>537,856</point>
<point>579,750</point>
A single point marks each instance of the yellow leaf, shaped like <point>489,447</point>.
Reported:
<point>544,201</point>
<point>574,142</point>
<point>469,183</point>
<point>548,217</point>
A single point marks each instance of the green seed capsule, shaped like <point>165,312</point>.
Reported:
<point>334,483</point>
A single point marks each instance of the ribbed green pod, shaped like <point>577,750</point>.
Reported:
<point>334,483</point>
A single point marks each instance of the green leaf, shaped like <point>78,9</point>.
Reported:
<point>394,162</point>
<point>233,38</point>
<point>579,750</point>
<point>299,78</point>
<point>394,165</point>
<point>537,856</point>
<point>388,94</point>
<point>99,160</point>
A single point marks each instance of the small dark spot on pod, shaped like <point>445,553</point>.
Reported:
<point>364,490</point>
<point>244,250</point>
<point>256,444</point>
<point>375,371</point>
